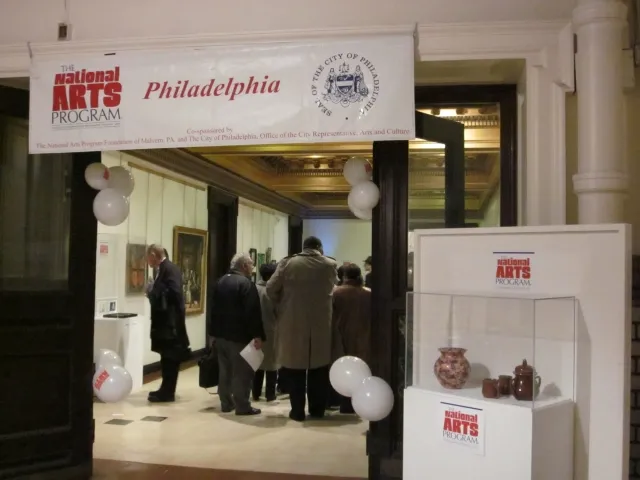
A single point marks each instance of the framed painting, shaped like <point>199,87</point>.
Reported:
<point>190,255</point>
<point>136,271</point>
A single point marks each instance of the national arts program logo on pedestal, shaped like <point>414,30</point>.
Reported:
<point>345,80</point>
<point>463,426</point>
<point>513,269</point>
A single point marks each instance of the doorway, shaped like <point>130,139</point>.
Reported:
<point>392,170</point>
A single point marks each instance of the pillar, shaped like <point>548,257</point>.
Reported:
<point>601,183</point>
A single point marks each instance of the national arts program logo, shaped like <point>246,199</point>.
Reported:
<point>343,81</point>
<point>463,425</point>
<point>85,98</point>
<point>513,269</point>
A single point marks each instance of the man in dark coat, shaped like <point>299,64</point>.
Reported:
<point>168,329</point>
<point>235,320</point>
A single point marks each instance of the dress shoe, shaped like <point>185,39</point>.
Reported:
<point>227,410</point>
<point>251,411</point>
<point>159,397</point>
<point>296,417</point>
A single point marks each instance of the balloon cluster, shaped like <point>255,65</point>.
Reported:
<point>371,397</point>
<point>112,382</point>
<point>111,205</point>
<point>364,194</point>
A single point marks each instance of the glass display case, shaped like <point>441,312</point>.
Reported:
<point>514,349</point>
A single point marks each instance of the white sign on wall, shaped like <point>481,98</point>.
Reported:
<point>462,425</point>
<point>342,91</point>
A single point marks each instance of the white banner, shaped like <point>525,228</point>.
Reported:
<point>342,91</point>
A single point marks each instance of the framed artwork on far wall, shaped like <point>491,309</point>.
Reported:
<point>190,255</point>
<point>136,271</point>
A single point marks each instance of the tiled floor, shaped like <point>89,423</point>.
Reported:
<point>193,432</point>
<point>112,469</point>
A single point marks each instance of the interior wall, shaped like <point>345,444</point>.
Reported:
<point>260,228</point>
<point>632,114</point>
<point>158,203</point>
<point>346,240</point>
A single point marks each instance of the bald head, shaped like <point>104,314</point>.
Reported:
<point>155,254</point>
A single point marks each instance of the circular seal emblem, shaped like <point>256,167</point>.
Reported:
<point>343,82</point>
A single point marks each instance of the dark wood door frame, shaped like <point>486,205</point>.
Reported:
<point>222,212</point>
<point>506,97</point>
<point>295,235</point>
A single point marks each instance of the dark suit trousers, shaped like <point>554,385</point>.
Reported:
<point>312,384</point>
<point>170,369</point>
<point>270,387</point>
<point>236,377</point>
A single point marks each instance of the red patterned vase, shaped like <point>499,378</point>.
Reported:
<point>452,368</point>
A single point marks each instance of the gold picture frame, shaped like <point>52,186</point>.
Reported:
<point>136,270</point>
<point>190,256</point>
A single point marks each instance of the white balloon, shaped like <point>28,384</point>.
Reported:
<point>357,170</point>
<point>112,383</point>
<point>361,214</point>
<point>121,180</point>
<point>347,373</point>
<point>364,196</point>
<point>97,176</point>
<point>373,399</point>
<point>107,357</point>
<point>110,207</point>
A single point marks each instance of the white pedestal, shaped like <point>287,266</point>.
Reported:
<point>125,336</point>
<point>514,441</point>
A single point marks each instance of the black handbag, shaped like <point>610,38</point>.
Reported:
<point>209,376</point>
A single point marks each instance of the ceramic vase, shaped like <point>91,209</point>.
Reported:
<point>452,368</point>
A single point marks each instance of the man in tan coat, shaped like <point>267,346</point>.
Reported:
<point>302,288</point>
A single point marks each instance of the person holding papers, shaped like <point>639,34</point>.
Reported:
<point>235,320</point>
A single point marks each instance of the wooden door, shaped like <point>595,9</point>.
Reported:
<point>222,211</point>
<point>390,255</point>
<point>47,279</point>
<point>295,235</point>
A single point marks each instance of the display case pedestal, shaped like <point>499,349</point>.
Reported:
<point>453,436</point>
<point>125,336</point>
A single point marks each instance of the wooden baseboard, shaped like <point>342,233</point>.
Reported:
<point>152,371</point>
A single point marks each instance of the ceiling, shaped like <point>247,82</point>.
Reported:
<point>311,174</point>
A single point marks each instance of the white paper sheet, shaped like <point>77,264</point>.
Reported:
<point>252,355</point>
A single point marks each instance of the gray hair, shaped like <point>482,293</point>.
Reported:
<point>239,260</point>
<point>157,250</point>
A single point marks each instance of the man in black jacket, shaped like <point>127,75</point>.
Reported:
<point>235,319</point>
<point>168,329</point>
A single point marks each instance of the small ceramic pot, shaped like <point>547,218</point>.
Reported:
<point>525,384</point>
<point>452,368</point>
<point>490,388</point>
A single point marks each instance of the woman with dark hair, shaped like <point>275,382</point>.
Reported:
<point>352,320</point>
<point>269,366</point>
